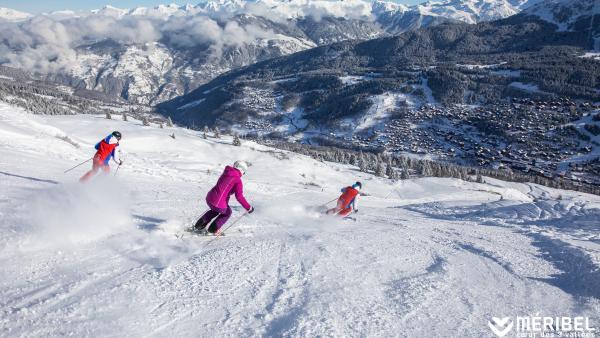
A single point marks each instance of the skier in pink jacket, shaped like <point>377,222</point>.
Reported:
<point>217,199</point>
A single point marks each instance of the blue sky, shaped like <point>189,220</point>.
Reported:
<point>38,6</point>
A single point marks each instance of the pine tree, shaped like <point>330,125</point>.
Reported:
<point>125,117</point>
<point>160,126</point>
<point>352,160</point>
<point>169,122</point>
<point>389,171</point>
<point>404,174</point>
<point>362,165</point>
<point>379,169</point>
<point>236,141</point>
<point>425,169</point>
<point>217,132</point>
<point>479,178</point>
<point>108,116</point>
<point>145,121</point>
<point>204,136</point>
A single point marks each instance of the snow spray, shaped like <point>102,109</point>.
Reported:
<point>78,213</point>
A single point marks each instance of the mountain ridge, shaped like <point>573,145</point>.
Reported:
<point>168,50</point>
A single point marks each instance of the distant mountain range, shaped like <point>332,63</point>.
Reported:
<point>149,55</point>
<point>530,54</point>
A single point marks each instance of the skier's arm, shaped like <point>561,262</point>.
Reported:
<point>115,156</point>
<point>355,203</point>
<point>97,146</point>
<point>239,195</point>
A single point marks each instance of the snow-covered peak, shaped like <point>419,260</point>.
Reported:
<point>7,14</point>
<point>389,7</point>
<point>222,6</point>
<point>299,8</point>
<point>109,10</point>
<point>161,11</point>
<point>471,11</point>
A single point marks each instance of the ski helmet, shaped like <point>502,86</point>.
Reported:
<point>357,186</point>
<point>241,166</point>
<point>117,135</point>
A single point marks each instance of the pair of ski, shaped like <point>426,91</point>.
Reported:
<point>192,232</point>
<point>204,233</point>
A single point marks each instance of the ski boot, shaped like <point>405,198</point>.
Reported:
<point>199,227</point>
<point>214,231</point>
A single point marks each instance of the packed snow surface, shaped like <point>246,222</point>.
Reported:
<point>424,257</point>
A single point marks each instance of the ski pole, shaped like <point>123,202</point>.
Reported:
<point>80,164</point>
<point>116,171</point>
<point>325,204</point>
<point>218,234</point>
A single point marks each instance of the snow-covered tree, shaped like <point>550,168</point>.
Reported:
<point>108,116</point>
<point>236,141</point>
<point>217,132</point>
<point>390,172</point>
<point>145,121</point>
<point>379,169</point>
<point>479,178</point>
<point>425,169</point>
<point>362,165</point>
<point>404,174</point>
<point>125,117</point>
<point>169,122</point>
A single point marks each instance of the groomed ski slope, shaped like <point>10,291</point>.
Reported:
<point>425,257</point>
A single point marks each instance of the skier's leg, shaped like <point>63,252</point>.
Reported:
<point>338,207</point>
<point>345,212</point>
<point>220,221</point>
<point>205,219</point>
<point>90,173</point>
<point>105,169</point>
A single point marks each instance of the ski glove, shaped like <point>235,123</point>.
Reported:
<point>251,210</point>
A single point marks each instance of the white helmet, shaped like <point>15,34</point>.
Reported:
<point>241,166</point>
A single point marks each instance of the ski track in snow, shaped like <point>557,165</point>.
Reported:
<point>438,257</point>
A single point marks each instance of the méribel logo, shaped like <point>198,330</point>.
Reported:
<point>500,326</point>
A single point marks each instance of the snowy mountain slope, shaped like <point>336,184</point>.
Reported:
<point>564,13</point>
<point>424,64</point>
<point>472,11</point>
<point>570,16</point>
<point>193,44</point>
<point>425,257</point>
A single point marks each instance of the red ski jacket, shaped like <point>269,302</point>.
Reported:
<point>106,149</point>
<point>348,197</point>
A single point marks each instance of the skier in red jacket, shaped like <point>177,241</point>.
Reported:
<point>347,201</point>
<point>106,150</point>
<point>229,183</point>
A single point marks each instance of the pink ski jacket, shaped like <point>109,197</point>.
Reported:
<point>229,183</point>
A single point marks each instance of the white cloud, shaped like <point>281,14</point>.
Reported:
<point>47,43</point>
